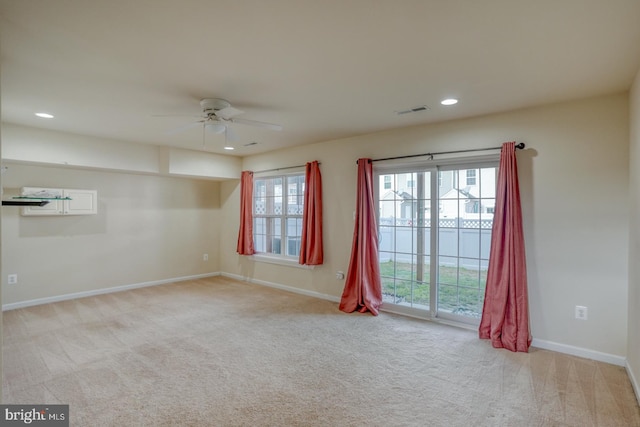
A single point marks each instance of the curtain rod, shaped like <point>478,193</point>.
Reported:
<point>286,167</point>
<point>520,146</point>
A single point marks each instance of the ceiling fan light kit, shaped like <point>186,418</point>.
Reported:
<point>215,127</point>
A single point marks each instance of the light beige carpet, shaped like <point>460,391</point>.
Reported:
<point>217,352</point>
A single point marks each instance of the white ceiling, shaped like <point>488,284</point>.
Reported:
<point>323,69</point>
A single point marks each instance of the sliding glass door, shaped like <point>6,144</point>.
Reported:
<point>405,238</point>
<point>435,233</point>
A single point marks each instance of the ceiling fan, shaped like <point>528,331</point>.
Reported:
<point>218,114</point>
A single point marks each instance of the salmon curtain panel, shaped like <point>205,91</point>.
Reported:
<point>311,252</point>
<point>363,288</point>
<point>505,315</point>
<point>245,233</point>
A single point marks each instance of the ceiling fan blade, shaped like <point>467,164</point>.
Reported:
<point>176,115</point>
<point>228,112</point>
<point>232,136</point>
<point>258,124</point>
<point>184,127</point>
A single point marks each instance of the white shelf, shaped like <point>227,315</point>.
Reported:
<point>65,202</point>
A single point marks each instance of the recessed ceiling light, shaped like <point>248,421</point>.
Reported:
<point>228,147</point>
<point>45,115</point>
<point>449,101</point>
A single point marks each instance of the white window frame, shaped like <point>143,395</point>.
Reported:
<point>434,167</point>
<point>285,197</point>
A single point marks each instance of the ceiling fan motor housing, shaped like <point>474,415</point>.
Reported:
<point>211,105</point>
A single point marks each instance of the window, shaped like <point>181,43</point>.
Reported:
<point>471,206</point>
<point>277,214</point>
<point>387,182</point>
<point>471,176</point>
<point>434,257</point>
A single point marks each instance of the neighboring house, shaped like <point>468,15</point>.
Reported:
<point>406,209</point>
<point>459,194</point>
<point>463,203</point>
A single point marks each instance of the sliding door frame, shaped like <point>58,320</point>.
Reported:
<point>433,167</point>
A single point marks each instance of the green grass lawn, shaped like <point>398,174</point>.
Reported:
<point>461,290</point>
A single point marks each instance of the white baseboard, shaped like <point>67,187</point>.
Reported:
<point>47,300</point>
<point>543,344</point>
<point>634,381</point>
<point>282,287</point>
<point>580,352</point>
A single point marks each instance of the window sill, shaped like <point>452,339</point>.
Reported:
<point>280,261</point>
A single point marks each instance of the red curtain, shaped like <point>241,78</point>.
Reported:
<point>311,244</point>
<point>505,315</point>
<point>245,233</point>
<point>363,289</point>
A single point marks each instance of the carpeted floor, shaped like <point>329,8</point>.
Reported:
<point>217,352</point>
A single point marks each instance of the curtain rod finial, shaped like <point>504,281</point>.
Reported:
<point>520,145</point>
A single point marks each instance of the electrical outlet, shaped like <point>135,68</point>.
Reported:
<point>581,312</point>
<point>205,257</point>
<point>12,279</point>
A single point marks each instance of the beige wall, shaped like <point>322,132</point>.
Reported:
<point>148,228</point>
<point>39,146</point>
<point>1,270</point>
<point>633,349</point>
<point>574,185</point>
